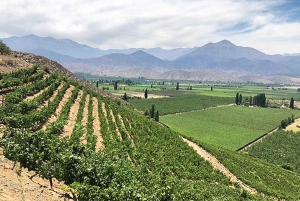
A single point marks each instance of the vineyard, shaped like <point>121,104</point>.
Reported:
<point>100,149</point>
<point>286,154</point>
<point>230,127</point>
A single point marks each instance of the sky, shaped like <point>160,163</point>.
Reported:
<point>271,26</point>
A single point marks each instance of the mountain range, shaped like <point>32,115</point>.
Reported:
<point>222,61</point>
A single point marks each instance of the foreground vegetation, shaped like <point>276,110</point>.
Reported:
<point>280,148</point>
<point>131,157</point>
<point>229,127</point>
<point>263,176</point>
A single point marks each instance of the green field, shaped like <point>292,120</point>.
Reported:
<point>280,148</point>
<point>180,103</point>
<point>229,127</point>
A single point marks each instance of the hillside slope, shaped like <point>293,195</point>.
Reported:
<point>62,129</point>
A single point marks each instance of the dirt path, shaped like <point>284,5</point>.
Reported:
<point>217,165</point>
<point>114,120</point>
<point>105,113</point>
<point>96,125</point>
<point>127,133</point>
<point>19,188</point>
<point>30,98</point>
<point>200,109</point>
<point>54,94</point>
<point>1,100</point>
<point>56,114</point>
<point>68,129</point>
<point>85,119</point>
<point>128,123</point>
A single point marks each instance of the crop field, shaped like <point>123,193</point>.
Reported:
<point>180,103</point>
<point>229,127</point>
<point>280,148</point>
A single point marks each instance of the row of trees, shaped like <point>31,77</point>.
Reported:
<point>285,122</point>
<point>238,99</point>
<point>152,113</point>
<point>259,100</point>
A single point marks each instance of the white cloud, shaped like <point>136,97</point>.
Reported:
<point>153,23</point>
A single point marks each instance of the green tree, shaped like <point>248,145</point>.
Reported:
<point>260,100</point>
<point>156,118</point>
<point>292,103</point>
<point>4,49</point>
<point>125,97</point>
<point>237,98</point>
<point>146,94</point>
<point>240,99</point>
<point>152,111</point>
<point>115,85</point>
<point>177,86</point>
<point>211,88</point>
<point>97,84</point>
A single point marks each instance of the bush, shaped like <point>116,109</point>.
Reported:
<point>287,167</point>
<point>4,49</point>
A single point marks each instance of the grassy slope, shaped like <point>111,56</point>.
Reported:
<point>280,148</point>
<point>227,127</point>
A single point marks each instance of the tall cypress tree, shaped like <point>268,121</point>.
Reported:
<point>177,86</point>
<point>115,85</point>
<point>125,97</point>
<point>240,99</point>
<point>156,118</point>
<point>152,111</point>
<point>292,103</point>
<point>237,98</point>
<point>146,94</point>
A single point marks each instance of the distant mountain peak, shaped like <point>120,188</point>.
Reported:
<point>226,42</point>
<point>139,52</point>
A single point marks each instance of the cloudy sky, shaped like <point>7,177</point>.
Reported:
<point>271,26</point>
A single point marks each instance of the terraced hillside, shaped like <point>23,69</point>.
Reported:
<point>62,130</point>
<point>99,149</point>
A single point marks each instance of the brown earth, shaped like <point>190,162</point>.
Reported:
<point>68,129</point>
<point>96,125</point>
<point>29,98</point>
<point>85,119</point>
<point>105,113</point>
<point>114,120</point>
<point>22,188</point>
<point>128,134</point>
<point>57,112</point>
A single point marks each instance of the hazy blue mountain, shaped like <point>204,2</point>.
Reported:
<point>33,43</point>
<point>59,48</point>
<point>51,55</point>
<point>211,58</point>
<point>222,51</point>
<point>291,55</point>
<point>137,59</point>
